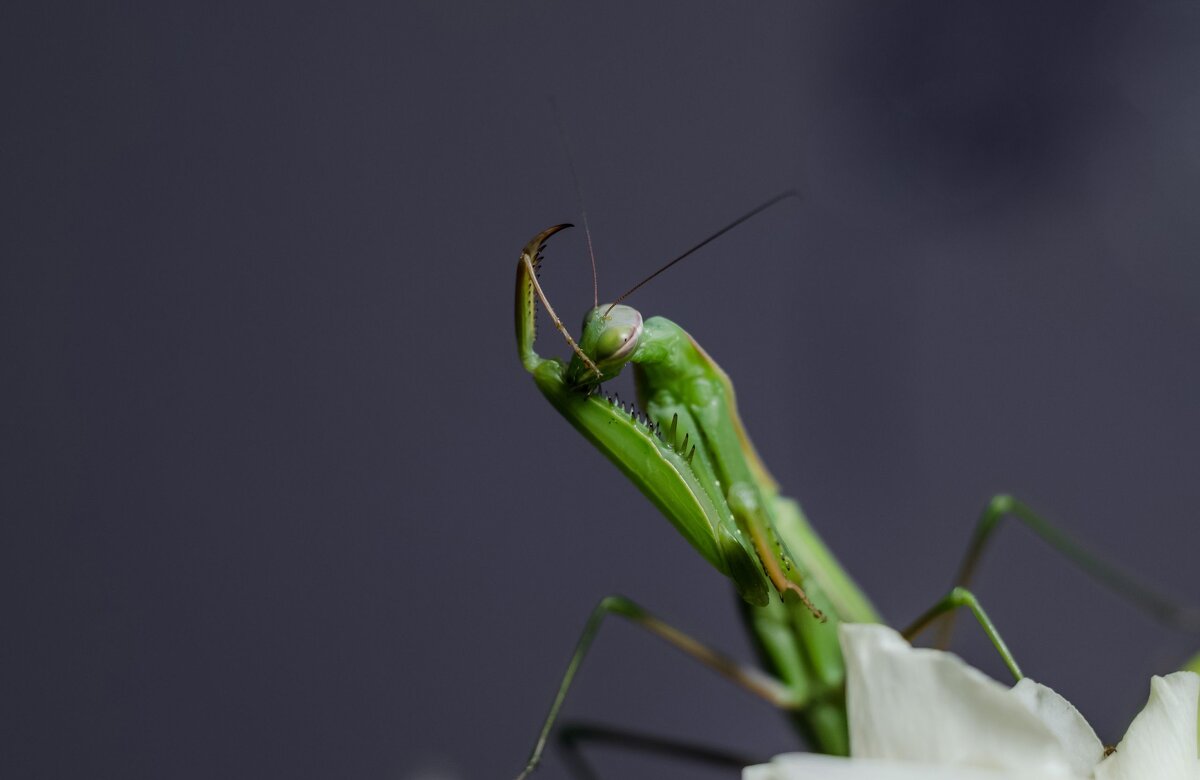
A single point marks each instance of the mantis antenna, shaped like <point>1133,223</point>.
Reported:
<point>752,213</point>
<point>587,230</point>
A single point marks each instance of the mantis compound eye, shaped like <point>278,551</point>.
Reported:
<point>620,335</point>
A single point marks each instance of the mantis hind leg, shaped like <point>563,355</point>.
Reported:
<point>1005,506</point>
<point>752,679</point>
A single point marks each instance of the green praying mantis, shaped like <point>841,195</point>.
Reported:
<point>691,457</point>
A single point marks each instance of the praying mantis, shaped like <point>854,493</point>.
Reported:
<point>692,458</point>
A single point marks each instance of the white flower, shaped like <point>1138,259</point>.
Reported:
<point>920,714</point>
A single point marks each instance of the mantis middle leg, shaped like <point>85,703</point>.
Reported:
<point>752,679</point>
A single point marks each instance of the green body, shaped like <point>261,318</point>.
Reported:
<point>691,457</point>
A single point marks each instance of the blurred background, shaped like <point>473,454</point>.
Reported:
<point>277,500</point>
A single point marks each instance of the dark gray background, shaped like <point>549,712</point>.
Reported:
<point>277,498</point>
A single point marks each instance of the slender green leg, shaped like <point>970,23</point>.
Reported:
<point>1005,506</point>
<point>961,597</point>
<point>750,678</point>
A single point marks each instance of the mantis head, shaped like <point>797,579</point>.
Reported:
<point>611,335</point>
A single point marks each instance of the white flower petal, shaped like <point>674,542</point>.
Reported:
<point>1080,744</point>
<point>810,766</point>
<point>1161,741</point>
<point>930,707</point>
<point>925,715</point>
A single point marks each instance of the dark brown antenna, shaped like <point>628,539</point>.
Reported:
<point>753,212</point>
<point>587,230</point>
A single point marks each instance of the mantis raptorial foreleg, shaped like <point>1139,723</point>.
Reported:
<point>715,438</point>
